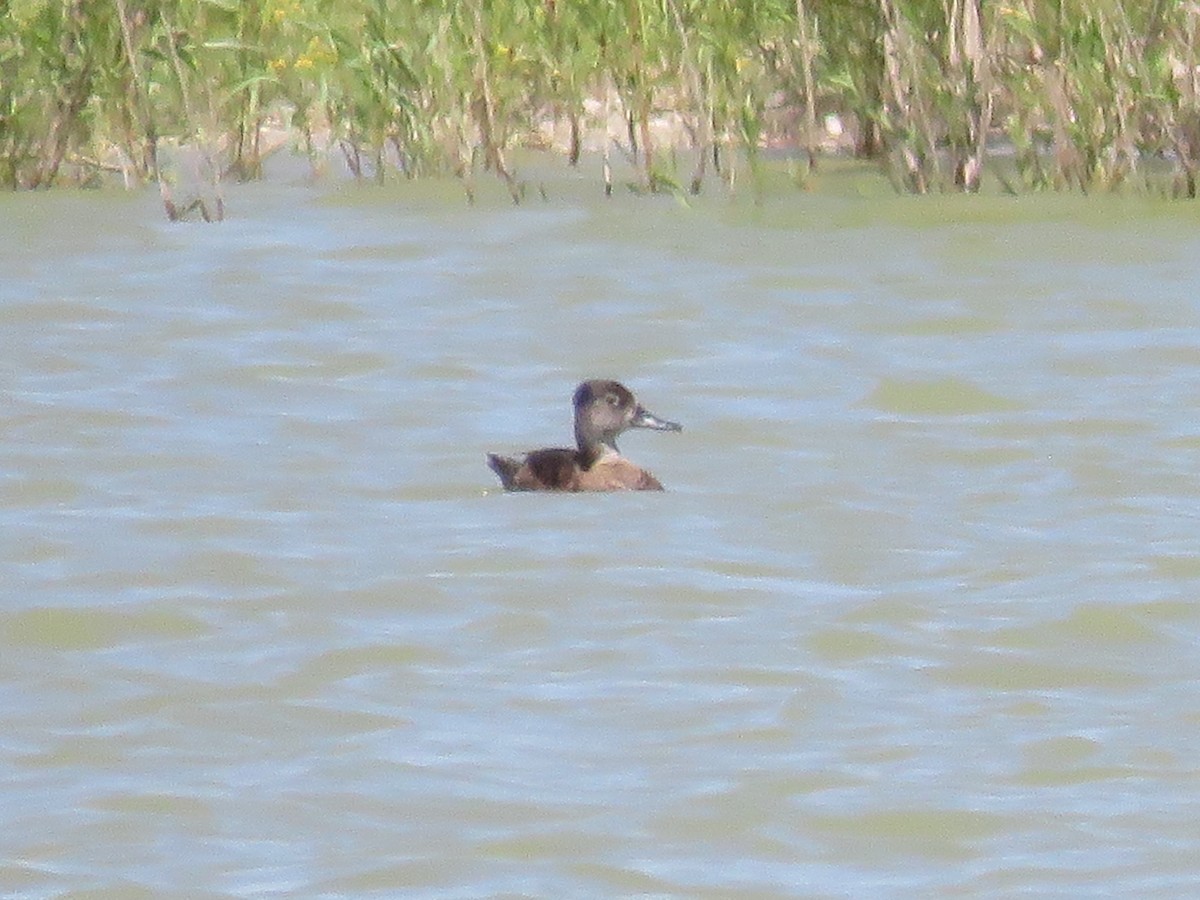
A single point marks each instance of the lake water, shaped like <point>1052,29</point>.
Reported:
<point>917,615</point>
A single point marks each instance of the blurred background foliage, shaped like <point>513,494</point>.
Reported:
<point>1070,94</point>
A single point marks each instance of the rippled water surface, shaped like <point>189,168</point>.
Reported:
<point>917,615</point>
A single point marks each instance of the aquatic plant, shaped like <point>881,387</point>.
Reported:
<point>1039,94</point>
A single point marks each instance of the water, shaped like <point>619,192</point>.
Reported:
<point>917,614</point>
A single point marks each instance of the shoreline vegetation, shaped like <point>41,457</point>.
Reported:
<point>944,95</point>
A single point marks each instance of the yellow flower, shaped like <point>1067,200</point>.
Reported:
<point>281,10</point>
<point>318,51</point>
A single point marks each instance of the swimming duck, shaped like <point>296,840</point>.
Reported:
<point>603,409</point>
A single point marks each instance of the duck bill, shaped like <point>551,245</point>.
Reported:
<point>643,418</point>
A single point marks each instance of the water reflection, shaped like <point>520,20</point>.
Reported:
<point>915,614</point>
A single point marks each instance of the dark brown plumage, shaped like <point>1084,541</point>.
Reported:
<point>603,409</point>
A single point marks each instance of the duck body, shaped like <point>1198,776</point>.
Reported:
<point>560,469</point>
<point>603,409</point>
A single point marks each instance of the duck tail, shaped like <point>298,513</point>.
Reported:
<point>506,467</point>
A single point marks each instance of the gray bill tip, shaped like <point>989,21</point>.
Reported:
<point>646,419</point>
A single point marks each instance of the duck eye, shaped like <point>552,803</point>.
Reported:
<point>612,399</point>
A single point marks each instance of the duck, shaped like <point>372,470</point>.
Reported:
<point>603,410</point>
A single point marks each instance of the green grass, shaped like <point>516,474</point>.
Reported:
<point>1082,93</point>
